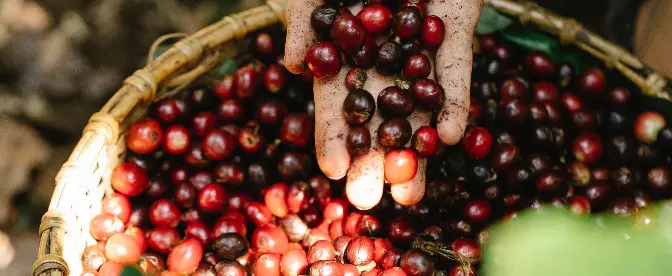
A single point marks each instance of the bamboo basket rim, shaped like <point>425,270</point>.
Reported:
<point>199,53</point>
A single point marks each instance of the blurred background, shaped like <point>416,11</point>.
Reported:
<point>61,60</point>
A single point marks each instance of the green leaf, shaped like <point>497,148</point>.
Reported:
<point>535,41</point>
<point>228,67</point>
<point>492,21</point>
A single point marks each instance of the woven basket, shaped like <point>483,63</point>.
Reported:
<point>85,178</point>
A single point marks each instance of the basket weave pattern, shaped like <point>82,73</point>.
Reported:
<point>85,178</point>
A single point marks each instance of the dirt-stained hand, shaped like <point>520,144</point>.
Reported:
<point>451,68</point>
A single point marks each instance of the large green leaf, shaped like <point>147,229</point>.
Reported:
<point>131,270</point>
<point>535,41</point>
<point>492,21</point>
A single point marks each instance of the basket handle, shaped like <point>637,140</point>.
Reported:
<point>104,127</point>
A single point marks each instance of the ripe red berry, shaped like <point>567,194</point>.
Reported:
<point>218,144</point>
<point>512,88</point>
<point>591,82</point>
<point>389,58</point>
<point>247,81</point>
<point>212,198</point>
<point>230,110</point>
<point>648,125</point>
<point>425,141</point>
<point>203,123</point>
<point>274,198</point>
<point>294,262</point>
<point>545,92</point>
<point>587,147</point>
<point>433,32</point>
<point>571,102</point>
<point>415,262</point>
<point>417,66</point>
<point>162,239</point>
<point>225,225</point>
<point>407,22</point>
<point>176,140</point>
<point>395,102</point>
<point>167,110</point>
<point>400,166</point>
<point>428,94</point>
<point>323,60</point>
<point>360,251</point>
<point>228,173</point>
<point>477,143</point>
<point>478,210</point>
<point>271,112</point>
<point>358,140</point>
<point>348,33</point>
<point>579,205</point>
<point>129,179</point>
<point>199,231</point>
<point>296,129</point>
<point>321,251</point>
<point>376,18</point>
<point>539,65</point>
<point>164,213</point>
<point>117,205</point>
<point>364,57</point>
<point>326,268</point>
<point>224,88</point>
<point>249,140</point>
<point>185,195</point>
<point>358,107</point>
<point>394,133</point>
<point>355,79</point>
<point>269,238</point>
<point>467,248</point>
<point>185,257</point>
<point>144,136</point>
<point>275,78</point>
<point>123,249</point>
<point>258,213</point>
<point>104,226</point>
<point>620,96</point>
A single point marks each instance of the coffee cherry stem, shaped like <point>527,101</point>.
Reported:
<point>440,249</point>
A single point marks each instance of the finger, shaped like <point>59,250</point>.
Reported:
<point>300,35</point>
<point>411,192</point>
<point>453,63</point>
<point>364,187</point>
<point>330,126</point>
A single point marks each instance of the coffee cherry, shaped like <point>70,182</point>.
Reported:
<point>598,194</point>
<point>401,231</point>
<point>228,225</point>
<point>579,173</point>
<point>195,156</point>
<point>433,32</point>
<point>298,197</point>
<point>477,143</point>
<point>296,129</point>
<point>511,88</point>
<point>587,147</point>
<point>376,19</point>
<point>478,211</point>
<point>230,110</point>
<point>584,120</point>
<point>199,231</point>
<point>212,198</point>
<point>400,166</point>
<point>144,136</point>
<point>358,140</point>
<point>274,198</point>
<point>176,140</point>
<point>467,248</point>
<point>167,111</point>
<point>355,79</point>
<point>263,45</point>
<point>218,144</point>
<point>162,239</point>
<point>625,179</point>
<point>659,181</point>
<point>428,94</point>
<point>425,141</point>
<point>571,102</point>
<point>321,251</point>
<point>294,166</point>
<point>619,96</point>
<point>323,17</point>
<point>267,264</point>
<point>545,92</point>
<point>228,173</point>
<point>258,213</point>
<point>164,213</point>
<point>503,156</point>
<point>348,33</point>
<point>579,205</point>
<point>322,191</point>
<point>117,205</point>
<point>203,123</point>
<point>228,267</point>
<point>271,112</point>
<point>274,78</point>
<point>104,226</point>
<point>394,133</point>
<point>326,268</point>
<point>389,58</point>
<point>416,263</point>
<point>129,179</point>
<point>323,60</point>
<point>539,65</point>
<point>624,207</point>
<point>269,238</point>
<point>123,249</point>
<point>647,126</point>
<point>93,258</point>
<point>552,184</point>
<point>514,112</point>
<point>294,262</point>
<point>417,66</point>
<point>591,82</point>
<point>365,57</point>
<point>224,88</point>
<point>358,107</point>
<point>178,175</point>
<point>394,102</point>
<point>407,22</point>
<point>230,246</point>
<point>360,251</point>
<point>185,194</point>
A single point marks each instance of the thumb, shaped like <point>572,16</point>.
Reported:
<point>300,35</point>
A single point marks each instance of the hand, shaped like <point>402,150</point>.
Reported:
<point>365,175</point>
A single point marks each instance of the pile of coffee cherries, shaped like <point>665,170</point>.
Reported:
<point>407,30</point>
<point>222,180</point>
